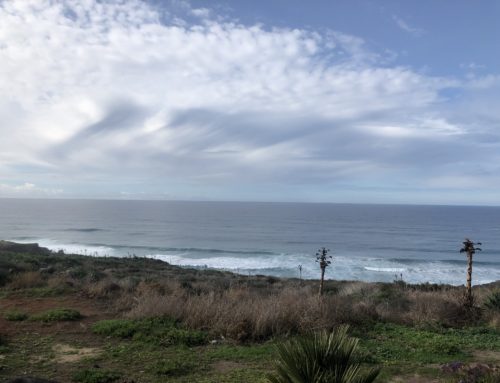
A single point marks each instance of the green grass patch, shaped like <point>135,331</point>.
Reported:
<point>15,316</point>
<point>173,367</point>
<point>54,315</point>
<point>391,344</point>
<point>160,331</point>
<point>44,292</point>
<point>95,376</point>
<point>248,353</point>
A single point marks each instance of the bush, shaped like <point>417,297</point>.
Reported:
<point>493,301</point>
<point>57,315</point>
<point>27,280</point>
<point>15,316</point>
<point>321,358</point>
<point>95,376</point>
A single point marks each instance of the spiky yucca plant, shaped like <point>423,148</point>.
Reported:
<point>321,358</point>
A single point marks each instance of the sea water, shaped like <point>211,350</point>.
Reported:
<point>367,242</point>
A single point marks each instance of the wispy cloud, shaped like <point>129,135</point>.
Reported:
<point>101,97</point>
<point>402,24</point>
<point>27,189</point>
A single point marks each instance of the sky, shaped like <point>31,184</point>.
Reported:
<point>350,101</point>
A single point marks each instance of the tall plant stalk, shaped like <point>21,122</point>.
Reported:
<point>470,249</point>
<point>323,259</point>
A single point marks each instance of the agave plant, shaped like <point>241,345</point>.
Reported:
<point>321,358</point>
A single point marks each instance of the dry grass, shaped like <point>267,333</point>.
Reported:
<point>249,313</point>
<point>26,280</point>
<point>244,307</point>
<point>243,314</point>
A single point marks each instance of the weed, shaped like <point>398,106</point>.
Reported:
<point>60,314</point>
<point>15,315</point>
<point>26,280</point>
<point>161,331</point>
<point>493,301</point>
<point>170,367</point>
<point>95,376</point>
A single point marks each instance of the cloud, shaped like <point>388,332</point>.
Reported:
<point>416,32</point>
<point>110,97</point>
<point>27,189</point>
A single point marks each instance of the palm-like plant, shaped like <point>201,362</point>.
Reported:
<point>470,249</point>
<point>321,358</point>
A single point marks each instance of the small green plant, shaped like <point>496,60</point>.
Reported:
<point>15,316</point>
<point>493,301</point>
<point>321,358</point>
<point>118,328</point>
<point>95,376</point>
<point>60,314</point>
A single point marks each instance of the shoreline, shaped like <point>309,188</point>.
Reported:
<point>144,320</point>
<point>367,269</point>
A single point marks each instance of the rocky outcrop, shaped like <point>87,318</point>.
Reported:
<point>29,248</point>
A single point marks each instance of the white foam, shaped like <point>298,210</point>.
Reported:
<point>72,248</point>
<point>355,267</point>
<point>385,269</point>
<point>218,262</point>
<point>346,268</point>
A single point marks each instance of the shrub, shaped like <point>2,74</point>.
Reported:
<point>104,288</point>
<point>60,314</point>
<point>15,315</point>
<point>95,376</point>
<point>27,280</point>
<point>493,301</point>
<point>321,358</point>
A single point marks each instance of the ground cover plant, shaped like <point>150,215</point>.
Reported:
<point>153,322</point>
<point>58,314</point>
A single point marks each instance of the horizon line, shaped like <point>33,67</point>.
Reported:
<point>242,201</point>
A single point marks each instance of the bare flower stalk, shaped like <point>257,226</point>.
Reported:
<point>323,259</point>
<point>470,249</point>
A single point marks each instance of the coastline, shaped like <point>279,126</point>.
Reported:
<point>184,324</point>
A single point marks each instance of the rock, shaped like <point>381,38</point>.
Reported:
<point>29,248</point>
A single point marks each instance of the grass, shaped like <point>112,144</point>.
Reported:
<point>162,331</point>
<point>55,315</point>
<point>392,344</point>
<point>95,376</point>
<point>15,316</point>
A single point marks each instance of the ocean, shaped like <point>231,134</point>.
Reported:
<point>368,242</point>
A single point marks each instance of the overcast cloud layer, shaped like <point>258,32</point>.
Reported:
<point>133,100</point>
